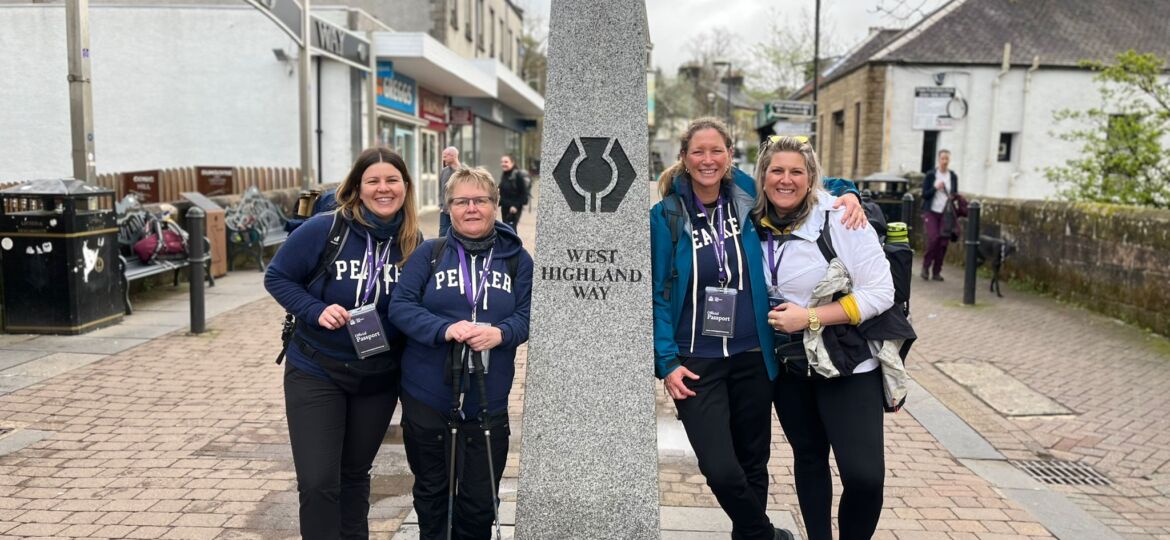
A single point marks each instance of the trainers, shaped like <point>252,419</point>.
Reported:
<point>925,274</point>
<point>782,534</point>
<point>937,277</point>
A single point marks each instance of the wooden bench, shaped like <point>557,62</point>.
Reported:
<point>132,268</point>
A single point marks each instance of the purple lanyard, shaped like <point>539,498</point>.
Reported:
<point>374,264</point>
<point>773,259</point>
<point>473,299</point>
<point>720,249</point>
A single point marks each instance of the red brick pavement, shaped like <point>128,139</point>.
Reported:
<point>1113,376</point>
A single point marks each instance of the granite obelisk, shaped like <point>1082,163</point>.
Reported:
<point>589,462</point>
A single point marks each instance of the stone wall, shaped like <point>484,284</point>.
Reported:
<point>1112,259</point>
<point>864,87</point>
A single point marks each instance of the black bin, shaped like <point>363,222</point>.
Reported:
<point>59,253</point>
<point>886,189</point>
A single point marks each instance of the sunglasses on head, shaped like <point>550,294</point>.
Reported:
<point>773,139</point>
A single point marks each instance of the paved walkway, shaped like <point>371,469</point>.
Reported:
<point>143,431</point>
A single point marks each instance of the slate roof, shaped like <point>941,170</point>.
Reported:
<point>1061,33</point>
<point>852,60</point>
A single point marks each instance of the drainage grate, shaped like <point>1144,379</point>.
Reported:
<point>1066,473</point>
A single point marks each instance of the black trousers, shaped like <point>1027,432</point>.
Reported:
<point>513,220</point>
<point>844,414</point>
<point>428,451</point>
<point>729,424</point>
<point>335,437</point>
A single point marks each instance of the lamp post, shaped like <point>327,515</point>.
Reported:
<point>727,77</point>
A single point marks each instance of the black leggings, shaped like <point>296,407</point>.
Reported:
<point>427,439</point>
<point>730,428</point>
<point>844,414</point>
<point>335,437</point>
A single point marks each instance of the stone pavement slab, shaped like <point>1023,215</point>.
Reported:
<point>999,390</point>
<point>1111,376</point>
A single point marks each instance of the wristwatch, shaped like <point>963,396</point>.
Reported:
<point>814,323</point>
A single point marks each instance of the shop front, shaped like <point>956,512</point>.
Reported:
<point>398,122</point>
<point>432,139</point>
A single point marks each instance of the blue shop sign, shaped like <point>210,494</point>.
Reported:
<point>395,90</point>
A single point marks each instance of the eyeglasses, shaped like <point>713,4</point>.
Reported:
<point>464,202</point>
<point>773,139</point>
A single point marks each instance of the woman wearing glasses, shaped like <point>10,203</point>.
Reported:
<point>339,396</point>
<point>463,304</point>
<point>799,235</point>
<point>712,342</point>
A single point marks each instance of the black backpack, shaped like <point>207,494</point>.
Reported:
<point>899,254</point>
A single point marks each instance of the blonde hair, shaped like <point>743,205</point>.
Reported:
<point>478,177</point>
<point>666,179</point>
<point>349,202</point>
<point>774,145</point>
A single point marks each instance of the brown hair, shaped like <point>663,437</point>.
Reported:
<point>774,145</point>
<point>666,179</point>
<point>349,202</point>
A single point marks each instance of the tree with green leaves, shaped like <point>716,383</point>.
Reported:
<point>1123,145</point>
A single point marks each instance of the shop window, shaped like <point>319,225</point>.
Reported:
<point>479,24</point>
<point>467,26</point>
<point>1005,146</point>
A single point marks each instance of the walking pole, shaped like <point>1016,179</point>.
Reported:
<point>477,367</point>
<point>457,360</point>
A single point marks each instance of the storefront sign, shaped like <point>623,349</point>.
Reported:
<point>395,90</point>
<point>432,108</point>
<point>144,183</point>
<point>212,181</point>
<point>327,38</point>
<point>460,116</point>
<point>930,108</point>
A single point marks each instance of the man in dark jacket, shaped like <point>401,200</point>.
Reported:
<point>513,191</point>
<point>937,188</point>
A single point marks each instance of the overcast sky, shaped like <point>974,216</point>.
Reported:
<point>673,22</point>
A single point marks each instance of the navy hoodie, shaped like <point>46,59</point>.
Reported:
<point>427,303</point>
<point>343,284</point>
<point>688,333</point>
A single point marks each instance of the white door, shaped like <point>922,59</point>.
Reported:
<point>430,161</point>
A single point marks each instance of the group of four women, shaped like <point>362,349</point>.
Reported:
<point>436,324</point>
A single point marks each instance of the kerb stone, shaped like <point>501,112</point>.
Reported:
<point>589,464</point>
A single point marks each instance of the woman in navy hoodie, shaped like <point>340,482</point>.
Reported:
<point>341,379</point>
<point>467,297</point>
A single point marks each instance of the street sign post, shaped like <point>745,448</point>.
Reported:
<point>325,39</point>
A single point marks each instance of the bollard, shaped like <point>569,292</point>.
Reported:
<point>908,210</point>
<point>972,252</point>
<point>196,223</point>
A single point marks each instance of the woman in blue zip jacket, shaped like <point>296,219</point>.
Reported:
<point>341,380</point>
<point>468,297</point>
<point>712,342</point>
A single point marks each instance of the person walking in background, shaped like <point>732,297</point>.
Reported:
<point>939,186</point>
<point>513,191</point>
<point>450,163</point>
<point>339,398</point>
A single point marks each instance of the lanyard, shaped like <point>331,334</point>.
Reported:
<point>773,258</point>
<point>717,228</point>
<point>465,276</point>
<point>374,264</point>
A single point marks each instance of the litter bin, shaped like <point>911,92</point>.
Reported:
<point>59,253</point>
<point>886,189</point>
